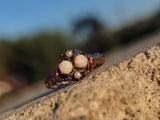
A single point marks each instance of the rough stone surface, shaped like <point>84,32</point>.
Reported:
<point>128,91</point>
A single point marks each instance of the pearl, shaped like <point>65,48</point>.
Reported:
<point>80,61</point>
<point>69,53</point>
<point>77,75</point>
<point>65,67</point>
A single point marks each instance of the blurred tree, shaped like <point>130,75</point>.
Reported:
<point>138,29</point>
<point>5,52</point>
<point>97,34</point>
<point>100,39</point>
<point>33,58</point>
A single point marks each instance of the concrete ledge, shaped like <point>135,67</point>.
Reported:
<point>128,90</point>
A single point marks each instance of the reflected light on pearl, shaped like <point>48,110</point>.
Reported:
<point>69,53</point>
<point>77,75</point>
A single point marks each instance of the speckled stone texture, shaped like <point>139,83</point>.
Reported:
<point>128,91</point>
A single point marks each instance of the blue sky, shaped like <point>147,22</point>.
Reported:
<point>26,16</point>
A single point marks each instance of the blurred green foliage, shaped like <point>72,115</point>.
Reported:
<point>31,58</point>
<point>140,28</point>
<point>101,39</point>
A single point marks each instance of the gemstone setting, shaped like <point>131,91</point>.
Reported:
<point>65,67</point>
<point>80,61</point>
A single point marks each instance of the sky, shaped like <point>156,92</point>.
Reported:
<point>19,17</point>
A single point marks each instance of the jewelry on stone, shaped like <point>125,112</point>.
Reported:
<point>73,66</point>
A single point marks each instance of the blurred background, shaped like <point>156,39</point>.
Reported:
<point>34,33</point>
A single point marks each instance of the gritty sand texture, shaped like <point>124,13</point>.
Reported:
<point>127,91</point>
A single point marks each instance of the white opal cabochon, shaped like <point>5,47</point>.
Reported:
<point>80,61</point>
<point>65,67</point>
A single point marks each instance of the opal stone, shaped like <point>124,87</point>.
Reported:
<point>80,61</point>
<point>65,67</point>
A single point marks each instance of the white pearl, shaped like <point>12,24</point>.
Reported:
<point>77,75</point>
<point>80,61</point>
<point>69,53</point>
<point>65,67</point>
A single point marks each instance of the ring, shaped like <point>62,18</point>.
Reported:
<point>74,65</point>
